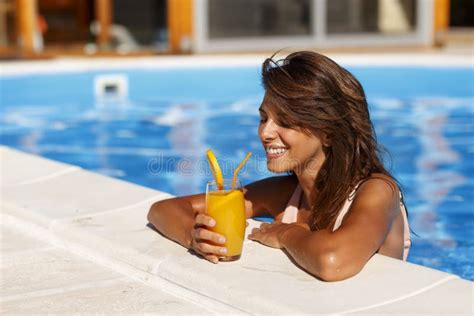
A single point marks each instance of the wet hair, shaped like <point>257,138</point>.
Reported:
<point>312,93</point>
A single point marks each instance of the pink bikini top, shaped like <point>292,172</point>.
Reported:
<point>291,215</point>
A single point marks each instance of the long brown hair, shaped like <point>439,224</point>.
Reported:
<point>314,94</point>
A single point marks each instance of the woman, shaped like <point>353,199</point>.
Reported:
<point>337,206</point>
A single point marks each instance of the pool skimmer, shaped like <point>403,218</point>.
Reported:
<point>111,87</point>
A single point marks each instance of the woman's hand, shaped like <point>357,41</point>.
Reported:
<point>206,243</point>
<point>271,234</point>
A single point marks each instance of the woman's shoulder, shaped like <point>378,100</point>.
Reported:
<point>379,187</point>
<point>380,181</point>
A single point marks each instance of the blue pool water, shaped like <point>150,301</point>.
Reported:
<point>157,135</point>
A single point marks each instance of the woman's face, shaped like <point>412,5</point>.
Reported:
<point>287,149</point>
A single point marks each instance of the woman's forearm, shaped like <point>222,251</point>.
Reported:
<point>174,218</point>
<point>315,252</point>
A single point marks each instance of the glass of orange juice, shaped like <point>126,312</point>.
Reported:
<point>227,207</point>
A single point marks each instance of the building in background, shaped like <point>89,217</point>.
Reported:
<point>227,25</point>
<point>33,27</point>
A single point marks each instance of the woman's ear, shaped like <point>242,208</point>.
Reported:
<point>325,140</point>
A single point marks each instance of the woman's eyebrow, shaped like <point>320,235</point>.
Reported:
<point>260,109</point>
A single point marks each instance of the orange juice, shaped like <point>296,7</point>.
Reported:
<point>228,209</point>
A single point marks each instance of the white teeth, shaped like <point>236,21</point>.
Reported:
<point>276,151</point>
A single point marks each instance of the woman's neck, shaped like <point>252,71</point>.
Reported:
<point>306,179</point>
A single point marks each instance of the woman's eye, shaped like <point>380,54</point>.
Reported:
<point>263,119</point>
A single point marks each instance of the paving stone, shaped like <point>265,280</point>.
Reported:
<point>455,297</point>
<point>122,235</point>
<point>42,270</point>
<point>17,167</point>
<point>74,194</point>
<point>125,297</point>
<point>56,281</point>
<point>12,242</point>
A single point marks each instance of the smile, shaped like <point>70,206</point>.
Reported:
<point>275,152</point>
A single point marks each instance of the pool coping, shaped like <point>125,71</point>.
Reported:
<point>72,208</point>
<point>68,65</point>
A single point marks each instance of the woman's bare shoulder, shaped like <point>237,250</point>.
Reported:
<point>380,182</point>
<point>378,192</point>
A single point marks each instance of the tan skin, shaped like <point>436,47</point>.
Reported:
<point>374,223</point>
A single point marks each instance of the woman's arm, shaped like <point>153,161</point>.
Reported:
<point>333,256</point>
<point>183,219</point>
<point>175,218</point>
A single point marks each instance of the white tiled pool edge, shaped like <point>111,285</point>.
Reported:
<point>94,255</point>
<point>262,281</point>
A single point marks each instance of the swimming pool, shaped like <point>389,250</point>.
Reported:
<point>155,134</point>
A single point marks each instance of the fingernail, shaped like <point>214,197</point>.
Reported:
<point>223,250</point>
<point>221,240</point>
<point>212,222</point>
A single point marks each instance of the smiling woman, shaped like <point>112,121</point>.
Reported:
<point>338,205</point>
<point>306,146</point>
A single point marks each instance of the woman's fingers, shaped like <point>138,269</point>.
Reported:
<point>208,249</point>
<point>258,230</point>
<point>207,243</point>
<point>211,258</point>
<point>205,220</point>
<point>254,234</point>
<point>255,230</point>
<point>204,234</point>
<point>262,225</point>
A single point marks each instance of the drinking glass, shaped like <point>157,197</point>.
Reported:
<point>227,207</point>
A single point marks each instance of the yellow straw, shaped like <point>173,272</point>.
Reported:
<point>242,163</point>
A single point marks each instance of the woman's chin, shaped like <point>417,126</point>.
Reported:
<point>277,168</point>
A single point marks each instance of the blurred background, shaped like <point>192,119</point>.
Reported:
<point>47,28</point>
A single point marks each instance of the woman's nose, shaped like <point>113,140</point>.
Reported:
<point>268,130</point>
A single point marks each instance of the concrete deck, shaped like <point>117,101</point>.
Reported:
<point>77,242</point>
